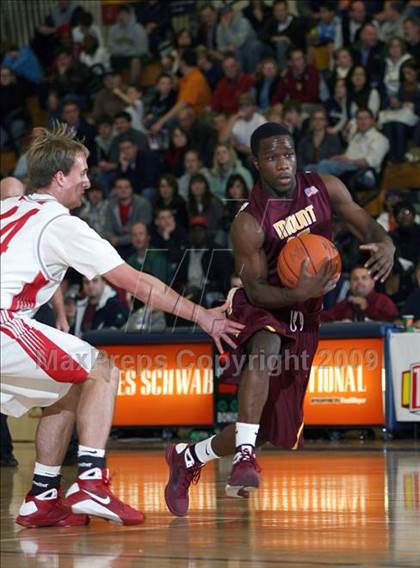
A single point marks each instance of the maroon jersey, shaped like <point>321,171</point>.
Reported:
<point>309,209</point>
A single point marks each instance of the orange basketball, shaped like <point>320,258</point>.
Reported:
<point>316,248</point>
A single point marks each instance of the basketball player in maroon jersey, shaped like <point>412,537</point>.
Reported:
<point>279,322</point>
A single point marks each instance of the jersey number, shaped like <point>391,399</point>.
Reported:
<point>9,231</point>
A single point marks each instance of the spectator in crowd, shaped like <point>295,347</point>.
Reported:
<point>301,80</point>
<point>172,240</point>
<point>268,84</point>
<point>123,128</point>
<point>169,198</point>
<point>395,57</point>
<point>236,195</point>
<point>386,219</point>
<point>94,210</point>
<point>366,149</point>
<point>343,64</point>
<point>127,43</point>
<point>141,167</point>
<point>412,304</point>
<point>71,115</point>
<point>99,309</point>
<point>201,134</point>
<point>123,210</point>
<point>193,90</point>
<point>155,17</point>
<point>327,31</point>
<point>283,31</point>
<point>207,266</point>
<point>398,286</point>
<point>247,120</point>
<point>363,303</point>
<point>103,141</point>
<point>392,23</point>
<point>235,35</point>
<point>201,202</point>
<point>258,14</point>
<point>337,108</point>
<point>406,235</point>
<point>24,64</point>
<point>225,164</point>
<point>163,99</point>
<point>412,37</point>
<point>192,165</point>
<point>14,119</point>
<point>223,126</point>
<point>403,113</point>
<point>360,93</point>
<point>231,86</point>
<point>84,27</point>
<point>50,34</point>
<point>21,169</point>
<point>353,21</point>
<point>318,144</point>
<point>210,66</point>
<point>72,79</point>
<point>95,56</point>
<point>293,120</point>
<point>174,157</point>
<point>107,103</point>
<point>207,30</point>
<point>183,41</point>
<point>135,108</point>
<point>369,52</point>
<point>145,258</point>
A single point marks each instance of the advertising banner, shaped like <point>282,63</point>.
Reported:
<point>405,365</point>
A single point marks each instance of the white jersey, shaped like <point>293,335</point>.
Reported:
<point>39,241</point>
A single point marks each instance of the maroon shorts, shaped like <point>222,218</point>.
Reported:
<point>282,417</point>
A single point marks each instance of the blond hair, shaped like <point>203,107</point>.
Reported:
<point>52,151</point>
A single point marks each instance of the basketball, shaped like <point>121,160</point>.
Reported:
<point>315,247</point>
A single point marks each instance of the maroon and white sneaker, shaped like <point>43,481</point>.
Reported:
<point>90,494</point>
<point>183,470</point>
<point>244,477</point>
<point>48,510</point>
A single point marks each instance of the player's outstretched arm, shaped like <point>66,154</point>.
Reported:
<point>251,264</point>
<point>375,240</point>
<point>158,296</point>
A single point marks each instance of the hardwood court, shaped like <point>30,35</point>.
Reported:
<point>315,508</point>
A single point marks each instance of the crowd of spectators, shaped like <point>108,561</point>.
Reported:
<point>171,164</point>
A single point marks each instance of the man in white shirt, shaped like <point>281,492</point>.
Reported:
<point>366,149</point>
<point>247,120</point>
<point>43,366</point>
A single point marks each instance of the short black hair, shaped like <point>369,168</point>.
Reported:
<point>267,130</point>
<point>365,109</point>
<point>124,115</point>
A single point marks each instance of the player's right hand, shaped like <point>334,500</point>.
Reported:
<point>315,285</point>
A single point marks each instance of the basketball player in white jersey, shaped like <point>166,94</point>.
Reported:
<point>45,367</point>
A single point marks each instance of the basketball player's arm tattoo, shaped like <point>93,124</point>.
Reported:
<point>251,265</point>
<point>375,240</point>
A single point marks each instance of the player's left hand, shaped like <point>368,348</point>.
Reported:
<point>381,259</point>
<point>215,323</point>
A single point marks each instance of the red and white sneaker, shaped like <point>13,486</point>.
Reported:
<point>90,494</point>
<point>183,470</point>
<point>244,477</point>
<point>48,510</point>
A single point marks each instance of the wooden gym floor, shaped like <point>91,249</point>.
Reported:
<point>345,507</point>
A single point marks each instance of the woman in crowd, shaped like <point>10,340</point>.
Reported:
<point>201,202</point>
<point>360,93</point>
<point>236,195</point>
<point>14,118</point>
<point>225,164</point>
<point>343,60</point>
<point>168,198</point>
<point>337,108</point>
<point>174,157</point>
<point>396,56</point>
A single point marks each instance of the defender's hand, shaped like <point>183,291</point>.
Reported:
<point>215,323</point>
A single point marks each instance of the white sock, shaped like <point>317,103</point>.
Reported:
<point>246,434</point>
<point>86,451</point>
<point>47,470</point>
<point>204,451</point>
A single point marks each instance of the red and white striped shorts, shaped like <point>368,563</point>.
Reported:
<point>38,363</point>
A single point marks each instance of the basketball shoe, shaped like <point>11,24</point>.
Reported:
<point>244,477</point>
<point>184,469</point>
<point>48,510</point>
<point>91,494</point>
